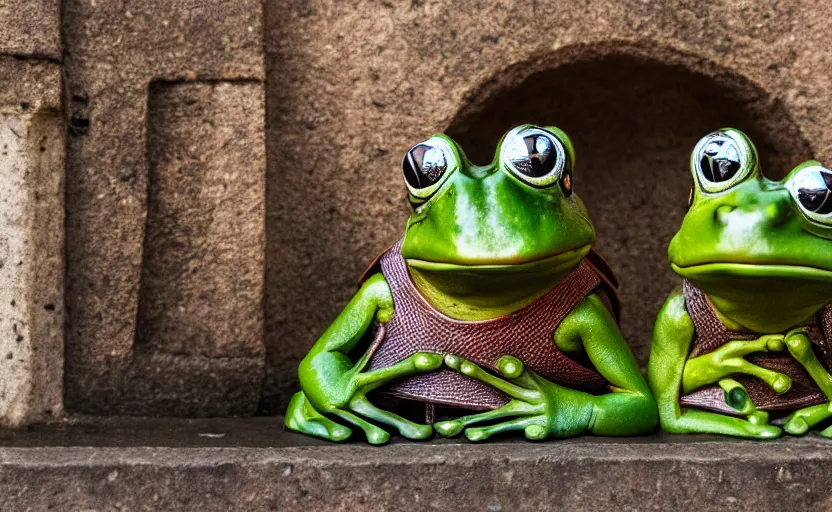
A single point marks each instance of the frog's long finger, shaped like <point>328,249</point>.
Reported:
<point>302,417</point>
<point>417,363</point>
<point>375,435</point>
<point>483,433</point>
<point>827,432</point>
<point>406,428</point>
<point>470,369</point>
<point>802,420</point>
<point>453,427</point>
<point>767,343</point>
<point>779,382</point>
<point>800,347</point>
<point>514,370</point>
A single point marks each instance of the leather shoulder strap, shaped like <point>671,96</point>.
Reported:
<point>375,266</point>
<point>608,281</point>
<point>824,341</point>
<point>710,332</point>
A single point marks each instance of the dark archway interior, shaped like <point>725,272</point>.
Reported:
<point>634,123</point>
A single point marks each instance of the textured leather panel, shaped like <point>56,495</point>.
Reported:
<point>712,334</point>
<point>527,334</point>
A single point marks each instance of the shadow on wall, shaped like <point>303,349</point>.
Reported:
<point>634,122</point>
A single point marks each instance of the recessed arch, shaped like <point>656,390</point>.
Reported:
<point>634,112</point>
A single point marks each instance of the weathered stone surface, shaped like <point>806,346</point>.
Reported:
<point>115,51</point>
<point>232,465</point>
<point>31,28</point>
<point>635,83</point>
<point>202,279</point>
<point>31,241</point>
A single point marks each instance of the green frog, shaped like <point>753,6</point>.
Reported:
<point>744,346</point>
<point>492,309</point>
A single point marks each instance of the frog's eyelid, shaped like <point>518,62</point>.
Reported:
<point>803,177</point>
<point>560,165</point>
<point>419,196</point>
<point>746,155</point>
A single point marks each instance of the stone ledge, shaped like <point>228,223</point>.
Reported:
<point>250,464</point>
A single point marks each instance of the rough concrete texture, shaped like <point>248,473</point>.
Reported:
<point>635,83</point>
<point>249,465</point>
<point>31,28</point>
<point>31,241</point>
<point>116,55</point>
<point>202,278</point>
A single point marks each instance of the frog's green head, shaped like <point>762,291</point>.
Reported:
<point>516,216</point>
<point>747,238</point>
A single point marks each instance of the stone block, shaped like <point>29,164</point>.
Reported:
<point>31,242</point>
<point>221,465</point>
<point>31,28</point>
<point>635,83</point>
<point>119,58</point>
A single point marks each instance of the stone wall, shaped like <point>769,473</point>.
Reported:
<point>231,167</point>
<point>635,83</point>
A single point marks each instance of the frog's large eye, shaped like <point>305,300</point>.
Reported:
<point>537,157</point>
<point>723,159</point>
<point>426,166</point>
<point>811,188</point>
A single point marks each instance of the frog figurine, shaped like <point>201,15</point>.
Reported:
<point>492,314</point>
<point>745,343</point>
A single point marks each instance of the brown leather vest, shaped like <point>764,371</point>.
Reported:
<point>528,334</point>
<point>712,334</point>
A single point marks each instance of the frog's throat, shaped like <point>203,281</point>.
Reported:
<point>764,298</point>
<point>483,292</point>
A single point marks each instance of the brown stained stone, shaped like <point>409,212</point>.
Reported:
<point>31,242</point>
<point>114,51</point>
<point>204,248</point>
<point>636,83</point>
<point>31,28</point>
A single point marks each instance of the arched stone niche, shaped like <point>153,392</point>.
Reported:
<point>634,113</point>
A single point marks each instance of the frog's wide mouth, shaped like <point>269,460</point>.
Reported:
<point>758,270</point>
<point>562,259</point>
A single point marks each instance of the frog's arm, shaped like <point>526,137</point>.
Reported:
<point>630,408</point>
<point>331,383</point>
<point>373,301</point>
<point>672,339</point>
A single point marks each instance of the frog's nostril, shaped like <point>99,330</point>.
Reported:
<point>722,212</point>
<point>778,212</point>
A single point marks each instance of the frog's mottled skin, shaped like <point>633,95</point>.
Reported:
<point>483,245</point>
<point>765,267</point>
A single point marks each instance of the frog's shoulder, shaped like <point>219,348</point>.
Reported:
<point>375,266</point>
<point>609,282</point>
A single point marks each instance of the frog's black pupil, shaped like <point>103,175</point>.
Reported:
<point>540,156</point>
<point>815,191</point>
<point>720,160</point>
<point>423,166</point>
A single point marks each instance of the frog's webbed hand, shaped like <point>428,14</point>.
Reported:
<point>333,386</point>
<point>672,339</point>
<point>730,359</point>
<point>538,407</point>
<point>800,421</point>
<point>347,400</point>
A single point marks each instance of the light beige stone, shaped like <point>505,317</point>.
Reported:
<point>31,243</point>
